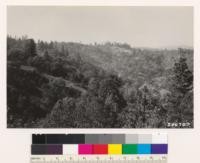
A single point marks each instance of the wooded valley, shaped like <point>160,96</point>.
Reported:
<point>109,85</point>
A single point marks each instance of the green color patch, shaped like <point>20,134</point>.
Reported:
<point>129,149</point>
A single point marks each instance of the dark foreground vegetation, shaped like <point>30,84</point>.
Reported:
<point>111,85</point>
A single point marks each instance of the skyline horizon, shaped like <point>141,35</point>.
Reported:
<point>143,26</point>
<point>103,43</point>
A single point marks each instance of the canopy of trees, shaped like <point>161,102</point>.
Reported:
<point>111,85</point>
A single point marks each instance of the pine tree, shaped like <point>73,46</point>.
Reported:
<point>183,77</point>
<point>182,85</point>
<point>30,48</point>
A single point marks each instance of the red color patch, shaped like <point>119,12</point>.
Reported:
<point>100,149</point>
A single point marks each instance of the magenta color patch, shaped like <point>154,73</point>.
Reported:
<point>85,149</point>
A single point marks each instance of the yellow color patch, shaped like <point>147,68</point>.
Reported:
<point>114,149</point>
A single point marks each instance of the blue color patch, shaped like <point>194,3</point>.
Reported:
<point>144,148</point>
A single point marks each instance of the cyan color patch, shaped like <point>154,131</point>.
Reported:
<point>144,148</point>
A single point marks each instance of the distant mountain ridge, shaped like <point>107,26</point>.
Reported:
<point>123,60</point>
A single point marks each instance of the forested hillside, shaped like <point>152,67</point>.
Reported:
<point>110,85</point>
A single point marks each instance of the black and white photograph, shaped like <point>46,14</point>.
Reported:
<point>100,67</point>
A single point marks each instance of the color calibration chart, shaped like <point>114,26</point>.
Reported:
<point>99,148</point>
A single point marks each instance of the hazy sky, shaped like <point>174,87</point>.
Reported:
<point>138,26</point>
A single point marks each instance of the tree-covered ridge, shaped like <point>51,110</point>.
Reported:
<point>111,85</point>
